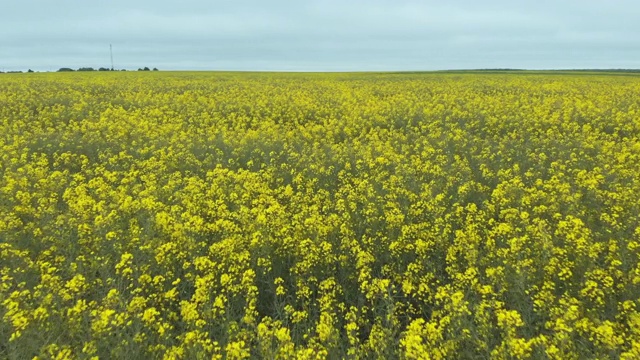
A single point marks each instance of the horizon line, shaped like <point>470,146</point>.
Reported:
<point>501,69</point>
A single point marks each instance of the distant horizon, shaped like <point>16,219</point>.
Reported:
<point>96,69</point>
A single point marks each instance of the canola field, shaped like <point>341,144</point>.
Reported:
<point>313,216</point>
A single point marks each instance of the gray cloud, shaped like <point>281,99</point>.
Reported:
<point>320,35</point>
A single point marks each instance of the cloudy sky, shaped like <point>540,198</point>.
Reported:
<point>319,35</point>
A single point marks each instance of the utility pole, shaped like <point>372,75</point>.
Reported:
<point>111,51</point>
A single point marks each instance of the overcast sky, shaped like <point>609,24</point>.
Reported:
<point>320,35</point>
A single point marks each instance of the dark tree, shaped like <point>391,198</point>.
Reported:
<point>29,71</point>
<point>155,69</point>
<point>65,69</point>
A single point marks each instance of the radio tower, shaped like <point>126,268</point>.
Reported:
<point>111,51</point>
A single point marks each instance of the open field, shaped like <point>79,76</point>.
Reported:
<point>436,215</point>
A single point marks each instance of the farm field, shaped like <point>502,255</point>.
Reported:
<point>250,215</point>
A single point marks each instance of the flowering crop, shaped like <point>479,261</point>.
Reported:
<point>417,216</point>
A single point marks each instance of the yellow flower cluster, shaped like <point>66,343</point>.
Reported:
<point>312,216</point>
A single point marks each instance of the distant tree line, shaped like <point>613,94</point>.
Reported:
<point>606,70</point>
<point>66,69</point>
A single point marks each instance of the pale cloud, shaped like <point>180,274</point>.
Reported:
<point>320,35</point>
